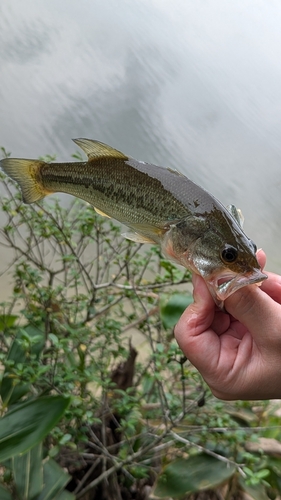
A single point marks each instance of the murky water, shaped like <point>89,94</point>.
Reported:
<point>192,85</point>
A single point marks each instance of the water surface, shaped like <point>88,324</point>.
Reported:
<point>192,85</point>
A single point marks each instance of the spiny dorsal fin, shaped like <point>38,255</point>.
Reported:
<point>95,149</point>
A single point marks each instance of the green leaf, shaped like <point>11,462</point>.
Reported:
<point>11,391</point>
<point>274,479</point>
<point>55,479</point>
<point>53,338</point>
<point>257,492</point>
<point>28,473</point>
<point>5,494</point>
<point>7,321</point>
<point>172,309</point>
<point>29,423</point>
<point>38,334</point>
<point>195,473</point>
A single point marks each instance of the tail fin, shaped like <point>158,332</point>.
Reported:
<point>25,172</point>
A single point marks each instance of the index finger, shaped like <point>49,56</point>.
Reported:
<point>272,286</point>
<point>255,309</point>
<point>193,331</point>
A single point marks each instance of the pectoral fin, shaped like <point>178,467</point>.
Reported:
<point>237,214</point>
<point>137,238</point>
<point>101,213</point>
<point>144,232</point>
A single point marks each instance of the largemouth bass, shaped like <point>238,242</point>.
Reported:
<point>159,205</point>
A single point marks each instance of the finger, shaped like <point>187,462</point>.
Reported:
<point>193,333</point>
<point>221,322</point>
<point>261,257</point>
<point>257,311</point>
<point>272,286</point>
<point>199,315</point>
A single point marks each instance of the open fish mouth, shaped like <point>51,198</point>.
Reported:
<point>223,286</point>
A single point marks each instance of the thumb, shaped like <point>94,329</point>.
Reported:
<point>199,315</point>
<point>192,331</point>
<point>258,312</point>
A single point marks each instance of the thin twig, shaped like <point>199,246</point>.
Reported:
<point>226,460</point>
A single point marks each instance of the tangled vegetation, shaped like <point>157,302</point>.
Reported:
<point>97,400</point>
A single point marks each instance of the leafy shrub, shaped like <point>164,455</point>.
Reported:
<point>97,399</point>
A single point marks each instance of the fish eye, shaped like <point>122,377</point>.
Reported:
<point>229,254</point>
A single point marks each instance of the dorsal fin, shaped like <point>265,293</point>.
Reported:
<point>95,149</point>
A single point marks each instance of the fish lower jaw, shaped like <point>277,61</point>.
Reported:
<point>221,287</point>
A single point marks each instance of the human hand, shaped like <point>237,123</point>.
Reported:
<point>238,352</point>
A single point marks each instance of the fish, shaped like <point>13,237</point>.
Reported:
<point>159,205</point>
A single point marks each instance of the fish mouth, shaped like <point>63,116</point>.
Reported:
<point>223,286</point>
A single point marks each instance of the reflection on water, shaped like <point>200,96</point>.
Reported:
<point>25,45</point>
<point>192,85</point>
